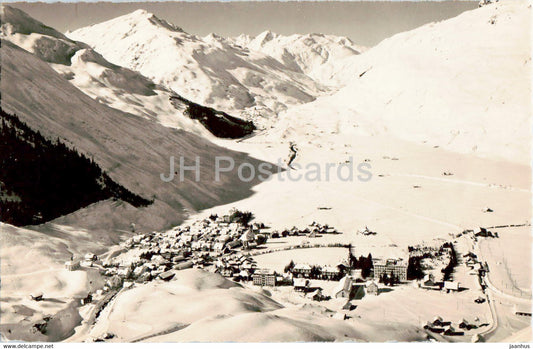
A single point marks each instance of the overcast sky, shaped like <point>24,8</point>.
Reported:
<point>365,23</point>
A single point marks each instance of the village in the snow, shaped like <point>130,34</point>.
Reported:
<point>229,245</point>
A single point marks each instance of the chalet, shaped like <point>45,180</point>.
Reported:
<point>186,238</point>
<point>167,255</point>
<point>372,287</point>
<point>438,321</point>
<point>234,244</point>
<point>330,273</point>
<point>483,232</point>
<point>144,277</point>
<point>301,270</point>
<point>223,238</point>
<point>467,325</point>
<point>317,295</point>
<point>450,331</point>
<point>159,260</point>
<point>138,271</point>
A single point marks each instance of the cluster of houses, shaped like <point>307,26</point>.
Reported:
<point>314,230</point>
<point>482,232</point>
<point>223,246</point>
<point>214,243</point>
<point>445,327</point>
<point>347,287</point>
<point>238,266</point>
<point>317,272</point>
<point>476,267</point>
<point>448,286</point>
<point>485,233</point>
<point>219,244</point>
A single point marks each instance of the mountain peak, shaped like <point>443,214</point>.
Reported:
<point>265,37</point>
<point>141,15</point>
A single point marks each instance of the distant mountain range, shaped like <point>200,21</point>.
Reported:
<point>247,78</point>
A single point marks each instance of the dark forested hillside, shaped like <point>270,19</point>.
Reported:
<point>41,179</point>
<point>218,123</point>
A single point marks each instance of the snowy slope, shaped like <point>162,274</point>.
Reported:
<point>316,55</point>
<point>133,150</point>
<point>109,84</point>
<point>463,84</point>
<point>210,71</point>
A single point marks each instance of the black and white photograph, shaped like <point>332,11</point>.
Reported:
<point>265,172</point>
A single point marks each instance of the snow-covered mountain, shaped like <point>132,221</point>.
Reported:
<point>463,84</point>
<point>212,71</point>
<point>316,55</point>
<point>115,86</point>
<point>134,151</point>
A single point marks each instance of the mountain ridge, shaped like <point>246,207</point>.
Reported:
<point>212,71</point>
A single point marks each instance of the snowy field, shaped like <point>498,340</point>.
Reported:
<point>313,256</point>
<point>508,258</point>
